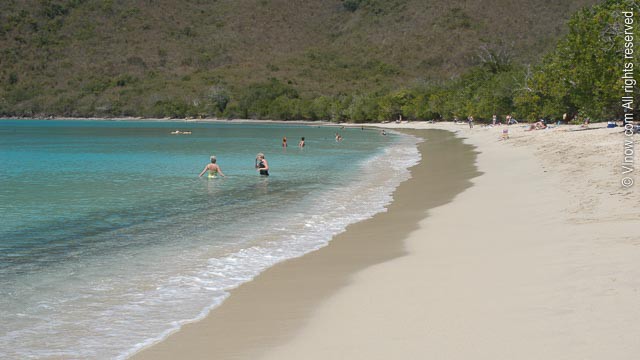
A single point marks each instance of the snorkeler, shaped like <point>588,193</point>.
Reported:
<point>262,165</point>
<point>213,168</point>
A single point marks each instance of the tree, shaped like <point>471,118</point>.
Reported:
<point>583,73</point>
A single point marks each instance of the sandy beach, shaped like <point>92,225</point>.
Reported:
<point>531,252</point>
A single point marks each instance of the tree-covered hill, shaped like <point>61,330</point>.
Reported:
<point>205,57</point>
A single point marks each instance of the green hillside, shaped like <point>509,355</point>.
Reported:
<point>200,57</point>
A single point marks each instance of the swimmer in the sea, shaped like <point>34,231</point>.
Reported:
<point>262,165</point>
<point>213,168</point>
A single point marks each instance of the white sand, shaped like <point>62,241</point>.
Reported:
<point>540,259</point>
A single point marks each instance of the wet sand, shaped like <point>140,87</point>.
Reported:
<point>269,310</point>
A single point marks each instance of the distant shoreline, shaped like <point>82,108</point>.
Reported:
<point>205,120</point>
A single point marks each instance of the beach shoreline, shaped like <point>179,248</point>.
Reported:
<point>269,309</point>
<point>535,260</point>
<point>185,120</point>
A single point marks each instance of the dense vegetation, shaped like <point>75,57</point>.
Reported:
<point>351,60</point>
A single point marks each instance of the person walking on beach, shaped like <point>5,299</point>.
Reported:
<point>262,165</point>
<point>301,143</point>
<point>284,142</point>
<point>213,168</point>
<point>494,119</point>
<point>470,120</point>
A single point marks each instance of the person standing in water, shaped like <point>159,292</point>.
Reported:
<point>262,165</point>
<point>213,168</point>
<point>284,142</point>
<point>301,143</point>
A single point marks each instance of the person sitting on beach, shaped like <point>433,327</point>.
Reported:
<point>585,123</point>
<point>213,168</point>
<point>537,126</point>
<point>301,143</point>
<point>262,165</point>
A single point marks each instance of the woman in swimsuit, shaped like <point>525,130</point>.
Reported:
<point>262,165</point>
<point>213,168</point>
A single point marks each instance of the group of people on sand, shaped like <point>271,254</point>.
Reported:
<point>538,125</point>
<point>214,169</point>
<point>509,120</point>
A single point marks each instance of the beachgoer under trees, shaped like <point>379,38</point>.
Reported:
<point>470,121</point>
<point>494,120</point>
<point>262,165</point>
<point>213,168</point>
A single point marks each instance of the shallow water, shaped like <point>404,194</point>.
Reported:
<point>109,240</point>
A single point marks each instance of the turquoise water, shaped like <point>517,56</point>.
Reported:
<point>109,240</point>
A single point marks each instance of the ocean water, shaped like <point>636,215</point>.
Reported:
<point>109,241</point>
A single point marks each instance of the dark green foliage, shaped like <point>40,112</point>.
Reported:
<point>582,76</point>
<point>52,9</point>
<point>351,5</point>
<point>271,99</point>
<point>218,99</point>
<point>13,78</point>
<point>170,108</point>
